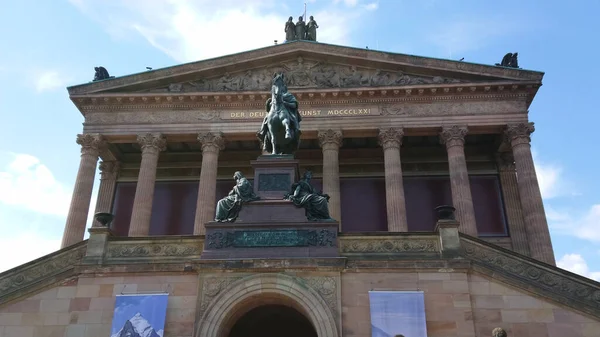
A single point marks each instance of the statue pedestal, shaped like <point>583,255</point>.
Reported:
<point>274,175</point>
<point>271,227</point>
<point>270,240</point>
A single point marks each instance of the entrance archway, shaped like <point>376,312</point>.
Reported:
<point>273,320</point>
<point>232,304</point>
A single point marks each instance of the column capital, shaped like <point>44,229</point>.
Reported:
<point>152,142</point>
<point>109,169</point>
<point>519,133</point>
<point>505,161</point>
<point>330,137</point>
<point>453,135</point>
<point>390,137</point>
<point>91,143</point>
<point>211,141</point>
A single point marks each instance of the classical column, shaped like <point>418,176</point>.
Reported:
<point>91,144</point>
<point>512,202</point>
<point>212,143</point>
<point>391,141</point>
<point>152,144</point>
<point>109,170</point>
<point>538,233</point>
<point>454,138</point>
<point>330,141</point>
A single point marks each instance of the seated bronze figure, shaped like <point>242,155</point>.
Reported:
<point>315,203</point>
<point>229,207</point>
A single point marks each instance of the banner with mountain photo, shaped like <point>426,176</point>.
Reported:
<point>139,315</point>
<point>397,314</point>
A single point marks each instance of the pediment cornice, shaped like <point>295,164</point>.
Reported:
<point>357,67</point>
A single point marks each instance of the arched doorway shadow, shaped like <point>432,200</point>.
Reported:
<point>272,320</point>
<point>264,290</point>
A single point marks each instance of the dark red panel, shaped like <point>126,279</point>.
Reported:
<point>122,206</point>
<point>489,209</point>
<point>423,195</point>
<point>363,204</point>
<point>174,208</point>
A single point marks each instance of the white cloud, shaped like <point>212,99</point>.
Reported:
<point>50,80</point>
<point>372,6</point>
<point>33,209</point>
<point>27,183</point>
<point>190,31</point>
<point>576,263</point>
<point>584,226</point>
<point>551,179</point>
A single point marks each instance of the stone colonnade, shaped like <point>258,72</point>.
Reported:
<point>390,139</point>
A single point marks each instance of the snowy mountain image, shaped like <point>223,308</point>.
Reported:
<point>138,326</point>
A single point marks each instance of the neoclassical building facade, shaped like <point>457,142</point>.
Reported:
<point>389,137</point>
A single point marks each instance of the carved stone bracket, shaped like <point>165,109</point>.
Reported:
<point>546,281</point>
<point>453,135</point>
<point>211,141</point>
<point>152,142</point>
<point>22,280</point>
<point>519,133</point>
<point>331,138</point>
<point>390,137</point>
<point>91,144</point>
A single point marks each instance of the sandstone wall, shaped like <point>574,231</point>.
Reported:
<point>84,307</point>
<point>462,305</point>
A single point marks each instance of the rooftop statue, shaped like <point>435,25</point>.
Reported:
<point>280,130</point>
<point>229,207</point>
<point>509,60</point>
<point>311,29</point>
<point>290,30</point>
<point>315,203</point>
<point>300,29</point>
<point>101,74</point>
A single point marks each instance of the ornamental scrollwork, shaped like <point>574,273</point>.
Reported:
<point>519,133</point>
<point>333,137</point>
<point>211,141</point>
<point>153,250</point>
<point>453,135</point>
<point>27,275</point>
<point>152,142</point>
<point>91,143</point>
<point>383,246</point>
<point>549,281</point>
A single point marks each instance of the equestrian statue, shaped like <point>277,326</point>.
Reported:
<point>280,131</point>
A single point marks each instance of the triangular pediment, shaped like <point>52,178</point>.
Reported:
<point>307,65</point>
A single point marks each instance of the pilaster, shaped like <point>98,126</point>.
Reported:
<point>91,145</point>
<point>390,140</point>
<point>152,144</point>
<point>331,141</point>
<point>512,202</point>
<point>538,233</point>
<point>454,138</point>
<point>212,143</point>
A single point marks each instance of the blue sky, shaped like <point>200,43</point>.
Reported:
<point>48,45</point>
<point>398,312</point>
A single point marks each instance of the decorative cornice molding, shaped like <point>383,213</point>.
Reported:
<point>453,135</point>
<point>152,142</point>
<point>390,137</point>
<point>211,141</point>
<point>91,143</point>
<point>519,133</point>
<point>547,281</point>
<point>21,281</point>
<point>330,138</point>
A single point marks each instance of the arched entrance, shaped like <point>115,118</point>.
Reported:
<point>256,296</point>
<point>273,320</point>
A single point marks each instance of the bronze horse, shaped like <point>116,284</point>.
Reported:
<point>280,132</point>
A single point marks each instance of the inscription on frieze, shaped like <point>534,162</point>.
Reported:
<point>274,182</point>
<point>341,111</point>
<point>272,238</point>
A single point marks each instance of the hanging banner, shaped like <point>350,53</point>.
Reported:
<point>397,314</point>
<point>139,315</point>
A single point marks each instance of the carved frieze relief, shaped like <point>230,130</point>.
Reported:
<point>302,73</point>
<point>388,246</point>
<point>575,291</point>
<point>153,249</point>
<point>454,109</point>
